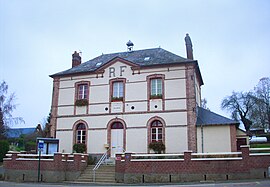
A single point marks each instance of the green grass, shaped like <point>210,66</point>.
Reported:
<point>265,145</point>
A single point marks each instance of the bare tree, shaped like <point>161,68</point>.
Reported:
<point>239,104</point>
<point>7,106</point>
<point>204,104</point>
<point>260,113</point>
<point>46,126</point>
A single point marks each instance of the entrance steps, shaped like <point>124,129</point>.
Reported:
<point>104,174</point>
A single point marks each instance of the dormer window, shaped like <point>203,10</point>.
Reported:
<point>98,64</point>
<point>147,58</point>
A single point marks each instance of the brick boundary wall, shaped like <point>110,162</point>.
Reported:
<point>57,169</point>
<point>189,169</point>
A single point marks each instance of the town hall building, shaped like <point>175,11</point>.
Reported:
<point>124,101</point>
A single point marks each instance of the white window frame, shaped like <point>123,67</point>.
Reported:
<point>80,136</point>
<point>118,89</point>
<point>156,86</point>
<point>156,133</point>
<point>82,91</point>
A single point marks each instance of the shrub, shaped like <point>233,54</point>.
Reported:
<point>158,96</point>
<point>30,146</point>
<point>4,147</point>
<point>79,148</point>
<point>157,147</point>
<point>81,102</point>
<point>91,160</point>
<point>117,98</point>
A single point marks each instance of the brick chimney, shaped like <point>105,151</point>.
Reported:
<point>76,59</point>
<point>189,47</point>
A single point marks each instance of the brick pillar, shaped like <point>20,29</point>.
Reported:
<point>65,156</point>
<point>118,163</point>
<point>85,157</point>
<point>187,156</point>
<point>245,152</point>
<point>118,157</point>
<point>77,161</point>
<point>58,161</point>
<point>14,156</point>
<point>233,138</point>
<point>128,157</point>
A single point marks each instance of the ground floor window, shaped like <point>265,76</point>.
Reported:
<point>156,131</point>
<point>81,133</point>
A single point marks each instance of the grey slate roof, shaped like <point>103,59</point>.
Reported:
<point>206,117</point>
<point>157,56</point>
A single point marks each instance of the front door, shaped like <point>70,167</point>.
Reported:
<point>117,137</point>
<point>117,141</point>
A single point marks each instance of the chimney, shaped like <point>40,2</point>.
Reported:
<point>76,59</point>
<point>189,47</point>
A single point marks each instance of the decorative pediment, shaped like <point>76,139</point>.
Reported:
<point>113,61</point>
<point>116,68</point>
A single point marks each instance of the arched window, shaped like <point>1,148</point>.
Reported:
<point>117,125</point>
<point>81,133</point>
<point>156,131</point>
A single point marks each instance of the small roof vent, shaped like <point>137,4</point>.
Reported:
<point>129,45</point>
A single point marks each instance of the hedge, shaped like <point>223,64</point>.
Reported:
<point>4,147</point>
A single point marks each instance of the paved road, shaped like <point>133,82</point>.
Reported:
<point>256,183</point>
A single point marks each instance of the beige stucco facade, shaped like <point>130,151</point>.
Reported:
<point>214,139</point>
<point>136,110</point>
<point>174,109</point>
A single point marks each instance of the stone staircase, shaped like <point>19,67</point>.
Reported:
<point>104,174</point>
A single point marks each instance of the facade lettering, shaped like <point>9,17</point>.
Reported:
<point>112,71</point>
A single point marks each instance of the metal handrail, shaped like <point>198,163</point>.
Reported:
<point>101,160</point>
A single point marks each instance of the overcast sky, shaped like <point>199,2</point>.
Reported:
<point>37,38</point>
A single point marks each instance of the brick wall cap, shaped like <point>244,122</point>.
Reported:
<point>77,153</point>
<point>13,152</point>
<point>188,151</point>
<point>244,146</point>
<point>127,152</point>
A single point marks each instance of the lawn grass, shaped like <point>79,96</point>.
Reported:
<point>264,145</point>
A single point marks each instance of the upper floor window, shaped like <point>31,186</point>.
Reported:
<point>156,131</point>
<point>156,88</point>
<point>118,91</point>
<point>81,133</point>
<point>82,91</point>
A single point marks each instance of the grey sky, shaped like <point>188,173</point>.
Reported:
<point>37,38</point>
